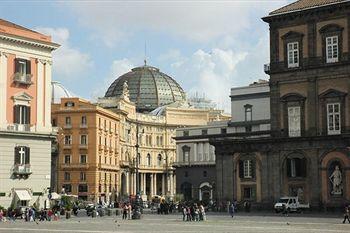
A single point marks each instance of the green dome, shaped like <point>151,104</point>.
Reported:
<point>148,88</point>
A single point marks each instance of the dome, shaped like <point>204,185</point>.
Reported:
<point>148,88</point>
<point>58,92</point>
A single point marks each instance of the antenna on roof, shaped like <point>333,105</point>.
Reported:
<point>145,60</point>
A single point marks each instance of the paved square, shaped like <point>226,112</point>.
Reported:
<point>174,223</point>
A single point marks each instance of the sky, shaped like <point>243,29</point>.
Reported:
<point>206,46</point>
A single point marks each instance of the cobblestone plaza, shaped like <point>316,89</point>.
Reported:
<point>270,223</point>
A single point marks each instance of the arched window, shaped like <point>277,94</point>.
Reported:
<point>296,167</point>
<point>159,160</point>
<point>148,160</point>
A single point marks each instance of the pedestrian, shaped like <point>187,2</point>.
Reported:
<point>202,213</point>
<point>125,211</point>
<point>347,214</point>
<point>184,213</point>
<point>232,210</point>
<point>129,211</point>
<point>188,214</point>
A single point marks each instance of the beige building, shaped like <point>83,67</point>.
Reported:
<point>25,119</point>
<point>142,124</point>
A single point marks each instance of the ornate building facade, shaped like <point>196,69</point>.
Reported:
<point>25,115</point>
<point>306,152</point>
<point>143,108</point>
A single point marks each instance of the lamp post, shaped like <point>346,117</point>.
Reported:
<point>137,158</point>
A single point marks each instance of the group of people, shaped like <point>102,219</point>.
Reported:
<point>193,212</point>
<point>127,211</point>
<point>30,214</point>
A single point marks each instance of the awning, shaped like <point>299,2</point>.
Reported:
<point>55,196</point>
<point>23,195</point>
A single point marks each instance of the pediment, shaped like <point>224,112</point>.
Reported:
<point>332,93</point>
<point>292,34</point>
<point>331,28</point>
<point>22,97</point>
<point>290,97</point>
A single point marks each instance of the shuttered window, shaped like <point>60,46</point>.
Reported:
<point>333,118</point>
<point>247,169</point>
<point>294,121</point>
<point>22,66</point>
<point>22,155</point>
<point>332,48</point>
<point>21,114</point>
<point>293,54</point>
<point>296,167</point>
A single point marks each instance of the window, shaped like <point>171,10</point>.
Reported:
<point>294,122</point>
<point>293,54</point>
<point>223,130</point>
<point>67,159</point>
<point>68,121</point>
<point>186,133</point>
<point>21,114</point>
<point>68,139</point>
<point>22,66</point>
<point>247,169</point>
<point>248,193</point>
<point>83,120</point>
<point>83,159</point>
<point>82,188</point>
<point>332,49</point>
<point>69,104</point>
<point>22,155</point>
<point>148,159</point>
<point>186,156</point>
<point>66,176</point>
<point>159,160</point>
<point>248,112</point>
<point>296,167</point>
<point>204,131</point>
<point>82,176</point>
<point>83,139</point>
<point>333,119</point>
<point>67,188</point>
<point>205,173</point>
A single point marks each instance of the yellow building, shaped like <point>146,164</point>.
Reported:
<point>137,116</point>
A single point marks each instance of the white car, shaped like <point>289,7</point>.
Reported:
<point>290,204</point>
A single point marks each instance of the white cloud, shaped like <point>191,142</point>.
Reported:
<point>211,73</point>
<point>200,21</point>
<point>118,68</point>
<point>69,62</point>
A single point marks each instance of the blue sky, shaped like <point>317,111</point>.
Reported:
<point>207,46</point>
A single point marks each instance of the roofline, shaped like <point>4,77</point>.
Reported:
<point>300,10</point>
<point>26,40</point>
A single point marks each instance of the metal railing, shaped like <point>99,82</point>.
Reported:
<point>23,78</point>
<point>22,169</point>
<point>19,127</point>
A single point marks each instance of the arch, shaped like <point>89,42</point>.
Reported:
<point>159,158</point>
<point>205,192</point>
<point>123,184</point>
<point>204,184</point>
<point>292,35</point>
<point>149,163</point>
<point>332,93</point>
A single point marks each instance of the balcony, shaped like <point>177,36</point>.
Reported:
<point>67,146</point>
<point>25,79</point>
<point>21,169</point>
<point>67,126</point>
<point>83,126</point>
<point>100,147</point>
<point>74,166</point>
<point>267,68</point>
<point>19,127</point>
<point>83,146</point>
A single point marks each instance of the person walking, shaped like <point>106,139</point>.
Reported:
<point>125,211</point>
<point>347,214</point>
<point>129,211</point>
<point>202,216</point>
<point>184,213</point>
<point>232,210</point>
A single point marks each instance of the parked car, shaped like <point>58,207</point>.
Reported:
<point>290,204</point>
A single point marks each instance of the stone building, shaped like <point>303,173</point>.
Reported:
<point>306,152</point>
<point>195,161</point>
<point>134,123</point>
<point>25,120</point>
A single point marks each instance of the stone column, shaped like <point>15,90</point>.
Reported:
<point>47,95</point>
<point>131,183</point>
<point>144,183</point>
<point>163,184</point>
<point>127,183</point>
<point>141,182</point>
<point>40,95</point>
<point>155,184</point>
<point>195,156</point>
<point>174,184</point>
<point>135,189</point>
<point>151,185</point>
